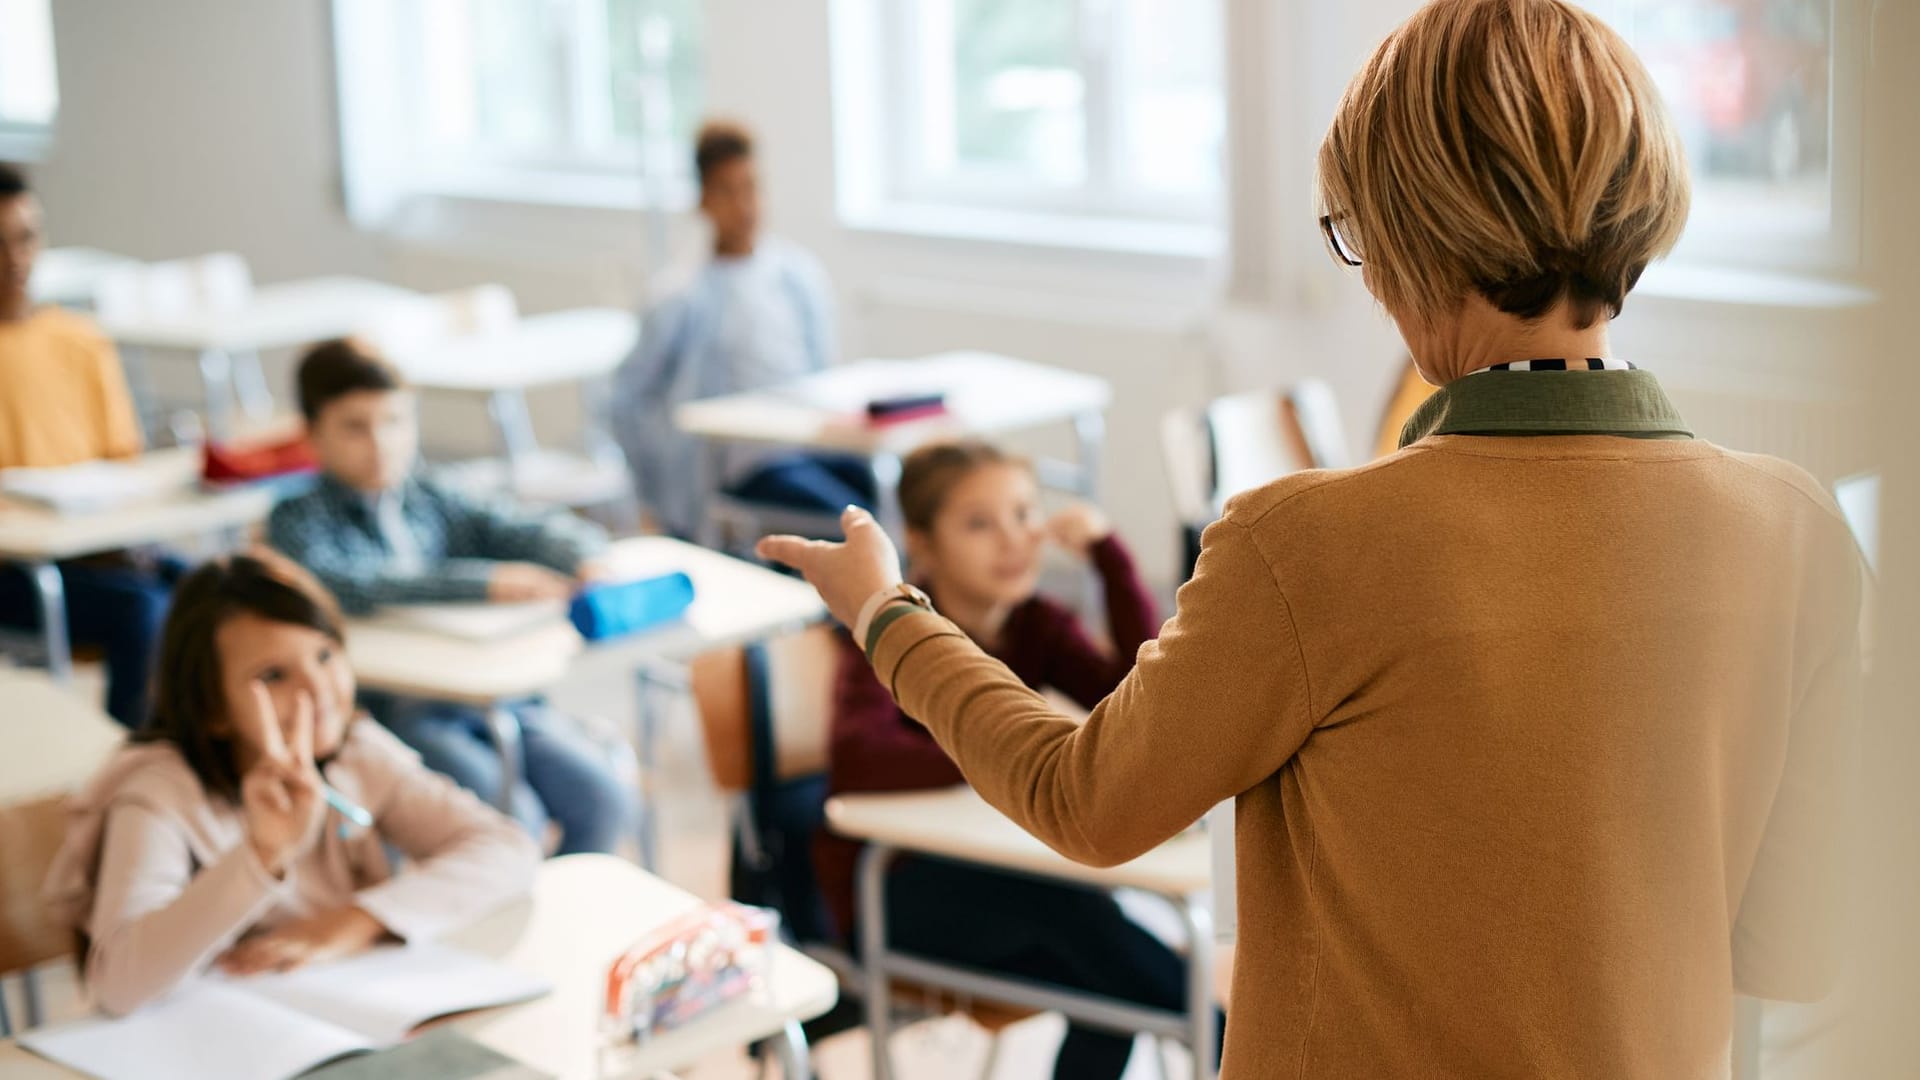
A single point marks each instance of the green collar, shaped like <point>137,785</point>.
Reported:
<point>1628,403</point>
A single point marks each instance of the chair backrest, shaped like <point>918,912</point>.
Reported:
<point>801,669</point>
<point>30,834</point>
<point>1256,437</point>
<point>177,287</point>
<point>766,711</point>
<point>1189,462</point>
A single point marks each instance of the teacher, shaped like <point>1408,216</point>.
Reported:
<point>1535,729</point>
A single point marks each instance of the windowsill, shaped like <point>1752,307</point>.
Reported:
<point>578,190</point>
<point>25,145</point>
<point>1073,232</point>
<point>1739,286</point>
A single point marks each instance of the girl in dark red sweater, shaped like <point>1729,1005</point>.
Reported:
<point>975,537</point>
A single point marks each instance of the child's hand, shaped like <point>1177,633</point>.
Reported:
<point>329,935</point>
<point>1078,527</point>
<point>520,583</point>
<point>281,793</point>
<point>595,572</point>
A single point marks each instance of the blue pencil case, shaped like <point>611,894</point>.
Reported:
<point>601,612</point>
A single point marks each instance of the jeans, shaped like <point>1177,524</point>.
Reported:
<point>1052,932</point>
<point>118,609</point>
<point>824,482</point>
<point>564,777</point>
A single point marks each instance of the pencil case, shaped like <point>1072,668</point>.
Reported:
<point>688,967</point>
<point>600,612</point>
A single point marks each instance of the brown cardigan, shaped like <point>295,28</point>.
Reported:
<point>1535,744</point>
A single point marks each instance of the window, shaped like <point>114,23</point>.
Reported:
<point>1760,93</point>
<point>1101,110</point>
<point>29,91</point>
<point>523,100</point>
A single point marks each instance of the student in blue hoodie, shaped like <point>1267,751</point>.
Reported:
<point>758,313</point>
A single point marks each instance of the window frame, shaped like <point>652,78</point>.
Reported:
<point>879,48</point>
<point>1833,249</point>
<point>29,140</point>
<point>589,165</point>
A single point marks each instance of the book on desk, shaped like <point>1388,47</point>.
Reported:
<point>270,1027</point>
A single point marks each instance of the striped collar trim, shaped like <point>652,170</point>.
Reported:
<point>1591,363</point>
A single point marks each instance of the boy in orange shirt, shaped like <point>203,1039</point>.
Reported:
<point>64,401</point>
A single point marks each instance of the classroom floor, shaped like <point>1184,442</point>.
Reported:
<point>694,856</point>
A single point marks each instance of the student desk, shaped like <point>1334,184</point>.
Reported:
<point>37,539</point>
<point>229,340</point>
<point>986,395</point>
<point>69,275</point>
<point>579,346</point>
<point>584,911</point>
<point>735,602</point>
<point>957,824</point>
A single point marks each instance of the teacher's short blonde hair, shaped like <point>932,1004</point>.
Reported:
<point>1513,148</point>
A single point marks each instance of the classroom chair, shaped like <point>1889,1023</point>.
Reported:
<point>1242,441</point>
<point>69,740</point>
<point>766,712</point>
<point>30,834</point>
<point>596,477</point>
<point>482,309</point>
<point>187,289</point>
<point>184,288</point>
<point>734,524</point>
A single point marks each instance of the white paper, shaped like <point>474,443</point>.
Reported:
<point>272,1027</point>
<point>207,1030</point>
<point>386,993</point>
<point>103,485</point>
<point>472,622</point>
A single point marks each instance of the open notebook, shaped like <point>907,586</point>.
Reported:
<point>475,621</point>
<point>98,486</point>
<point>271,1027</point>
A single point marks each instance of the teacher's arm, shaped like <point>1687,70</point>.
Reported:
<point>1218,703</point>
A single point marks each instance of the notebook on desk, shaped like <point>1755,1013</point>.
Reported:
<point>271,1027</point>
<point>473,622</point>
<point>98,486</point>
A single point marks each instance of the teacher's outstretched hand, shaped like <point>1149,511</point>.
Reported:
<point>846,574</point>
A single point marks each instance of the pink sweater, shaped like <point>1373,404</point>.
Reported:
<point>157,873</point>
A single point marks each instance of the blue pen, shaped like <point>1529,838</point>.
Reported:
<point>346,808</point>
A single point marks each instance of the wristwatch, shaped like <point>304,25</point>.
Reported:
<point>902,593</point>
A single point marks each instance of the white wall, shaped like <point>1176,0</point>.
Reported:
<point>196,125</point>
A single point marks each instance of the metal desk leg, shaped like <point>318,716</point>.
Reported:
<point>653,680</point>
<point>874,861</point>
<point>1090,431</point>
<point>250,386</point>
<point>515,424</point>
<point>30,989</point>
<point>216,381</point>
<point>1746,1038</point>
<point>52,589</point>
<point>1198,916</point>
<point>794,1061</point>
<point>886,484</point>
<point>505,728</point>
